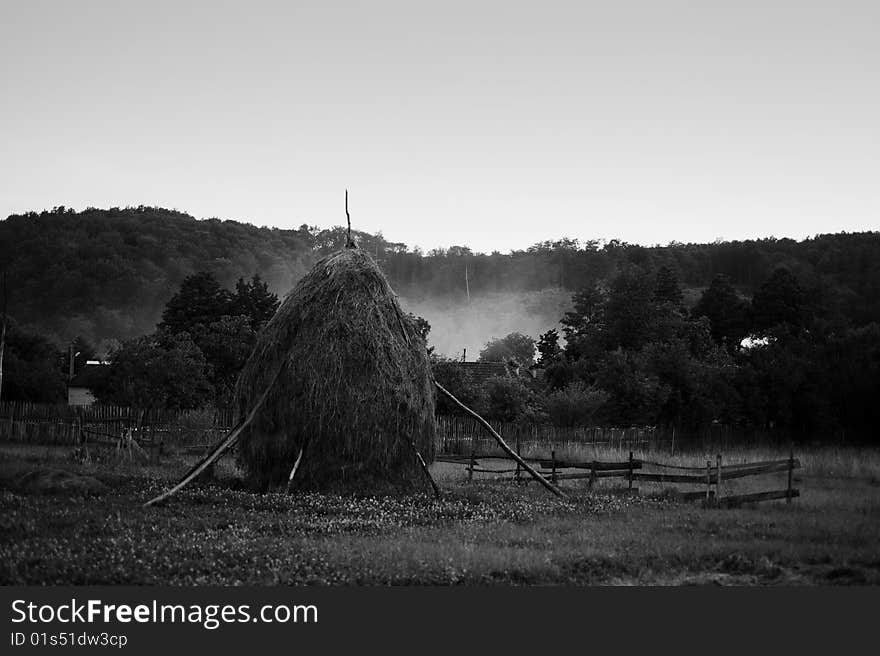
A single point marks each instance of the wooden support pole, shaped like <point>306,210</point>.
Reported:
<point>426,470</point>
<point>592,474</point>
<point>553,465</point>
<point>510,452</point>
<point>348,242</point>
<point>718,477</point>
<point>220,449</point>
<point>790,472</point>
<point>293,470</point>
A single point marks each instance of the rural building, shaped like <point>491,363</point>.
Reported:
<point>79,388</point>
<point>478,373</point>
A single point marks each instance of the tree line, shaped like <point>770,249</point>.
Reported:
<point>107,273</point>
<point>631,353</point>
<point>768,333</point>
<point>191,359</point>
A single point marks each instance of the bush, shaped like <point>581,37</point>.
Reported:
<point>575,405</point>
<point>507,399</point>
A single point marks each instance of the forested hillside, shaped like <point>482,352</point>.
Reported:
<point>107,274</point>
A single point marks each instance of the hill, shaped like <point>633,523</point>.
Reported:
<point>107,273</point>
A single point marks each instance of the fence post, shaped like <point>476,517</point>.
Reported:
<point>471,465</point>
<point>790,472</point>
<point>708,480</point>
<point>553,463</point>
<point>718,478</point>
<point>592,473</point>
<point>672,450</point>
<point>630,471</point>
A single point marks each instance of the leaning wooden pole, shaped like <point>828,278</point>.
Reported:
<point>485,424</point>
<point>218,450</point>
<point>295,467</point>
<point>427,472</point>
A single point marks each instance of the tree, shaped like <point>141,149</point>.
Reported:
<point>164,371</point>
<point>548,348</point>
<point>420,324</point>
<point>515,347</point>
<point>254,300</point>
<point>725,310</point>
<point>221,324</point>
<point>780,303</point>
<point>226,345</point>
<point>200,301</point>
<point>587,312</point>
<point>422,327</point>
<point>697,389</point>
<point>629,309</point>
<point>507,399</point>
<point>32,367</point>
<point>667,288</point>
<point>575,405</point>
<point>634,395</point>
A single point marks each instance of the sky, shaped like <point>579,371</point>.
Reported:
<point>494,125</point>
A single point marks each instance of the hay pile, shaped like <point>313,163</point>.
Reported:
<point>52,481</point>
<point>353,386</point>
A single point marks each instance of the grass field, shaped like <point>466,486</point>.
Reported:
<point>482,532</point>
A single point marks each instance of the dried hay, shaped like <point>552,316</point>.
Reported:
<point>350,385</point>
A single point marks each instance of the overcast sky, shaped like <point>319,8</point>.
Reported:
<point>494,125</point>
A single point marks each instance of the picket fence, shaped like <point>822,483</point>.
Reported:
<point>57,424</point>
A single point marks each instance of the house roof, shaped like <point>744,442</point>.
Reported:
<point>480,372</point>
<point>89,376</point>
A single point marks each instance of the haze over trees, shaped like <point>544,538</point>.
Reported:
<point>634,355</point>
<point>108,273</point>
<point>650,336</point>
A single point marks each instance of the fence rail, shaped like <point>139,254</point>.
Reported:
<point>58,424</point>
<point>710,476</point>
<point>457,433</point>
<point>55,424</point>
<point>59,413</point>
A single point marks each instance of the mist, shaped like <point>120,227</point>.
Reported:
<point>459,326</point>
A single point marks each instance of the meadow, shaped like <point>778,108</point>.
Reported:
<point>483,532</point>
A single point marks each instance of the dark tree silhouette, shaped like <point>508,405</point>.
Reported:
<point>780,302</point>
<point>199,301</point>
<point>725,310</point>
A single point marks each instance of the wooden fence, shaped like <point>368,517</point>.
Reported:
<point>33,423</point>
<point>456,434</point>
<point>459,439</point>
<point>632,471</point>
<point>57,424</point>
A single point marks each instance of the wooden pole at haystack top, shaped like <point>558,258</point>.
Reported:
<point>348,242</point>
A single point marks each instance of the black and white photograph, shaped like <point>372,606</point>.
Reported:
<point>303,295</point>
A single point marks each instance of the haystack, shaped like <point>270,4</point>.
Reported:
<point>347,383</point>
